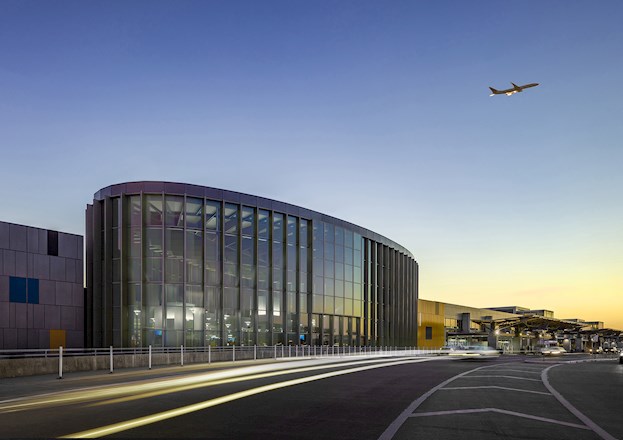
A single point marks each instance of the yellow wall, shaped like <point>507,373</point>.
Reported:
<point>431,314</point>
<point>57,339</point>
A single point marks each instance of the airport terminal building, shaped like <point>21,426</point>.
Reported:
<point>172,264</point>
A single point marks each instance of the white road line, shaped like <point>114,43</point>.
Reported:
<point>501,411</point>
<point>520,371</point>
<point>507,377</point>
<point>391,430</point>
<point>592,425</point>
<point>497,387</point>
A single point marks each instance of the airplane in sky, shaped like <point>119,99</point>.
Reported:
<point>515,89</point>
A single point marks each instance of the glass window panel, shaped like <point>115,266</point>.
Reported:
<point>230,275</point>
<point>329,288</point>
<point>262,224</point>
<point>174,270</point>
<point>212,246</point>
<point>230,298</point>
<point>348,256</point>
<point>291,281</point>
<point>348,272</point>
<point>292,229</point>
<point>152,316</point>
<point>357,261</point>
<point>329,304</point>
<point>348,238</point>
<point>116,270</point>
<point>262,300</point>
<point>175,319</point>
<point>276,305</point>
<point>153,210</point>
<point>357,291</point>
<point>116,212</point>
<point>247,276</point>
<point>348,290</point>
<point>213,273</point>
<point>213,299</point>
<point>303,307</point>
<point>194,324</point>
<point>174,215</point>
<point>339,254</point>
<point>263,277</point>
<point>116,243</point>
<point>153,269</point>
<point>329,234</point>
<point>174,243</point>
<point>329,269</point>
<point>318,285</point>
<point>248,216</point>
<point>194,245</point>
<point>133,207</point>
<point>303,254</point>
<point>246,301</point>
<point>357,242</point>
<point>291,298</point>
<point>329,252</point>
<point>303,232</point>
<point>278,255</point>
<point>339,288</point>
<point>357,277</point>
<point>194,296</point>
<point>153,295</point>
<point>317,303</point>
<point>339,271</point>
<point>213,215</point>
<point>174,294</point>
<point>318,248</point>
<point>194,213</point>
<point>248,253</point>
<point>348,307</point>
<point>133,295</point>
<point>303,282</point>
<point>357,308</point>
<point>231,249</point>
<point>262,253</point>
<point>339,306</point>
<point>318,267</point>
<point>277,227</point>
<point>153,242</point>
<point>134,270</point>
<point>291,251</point>
<point>277,279</point>
<point>231,218</point>
<point>339,236</point>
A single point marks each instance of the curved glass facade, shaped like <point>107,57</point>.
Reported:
<point>170,264</point>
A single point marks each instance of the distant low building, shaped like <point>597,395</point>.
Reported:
<point>41,288</point>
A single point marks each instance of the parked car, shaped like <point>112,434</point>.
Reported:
<point>552,351</point>
<point>475,352</point>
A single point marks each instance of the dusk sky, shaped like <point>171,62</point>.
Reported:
<point>375,112</point>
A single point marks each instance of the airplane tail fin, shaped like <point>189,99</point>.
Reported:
<point>493,91</point>
<point>515,85</point>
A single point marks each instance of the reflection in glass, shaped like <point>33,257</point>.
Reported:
<point>174,211</point>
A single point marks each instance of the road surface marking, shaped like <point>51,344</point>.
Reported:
<point>588,422</point>
<point>501,411</point>
<point>507,377</point>
<point>497,387</point>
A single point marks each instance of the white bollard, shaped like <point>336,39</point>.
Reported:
<point>209,354</point>
<point>255,352</point>
<point>111,361</point>
<point>233,353</point>
<point>60,362</point>
<point>182,355</point>
<point>150,357</point>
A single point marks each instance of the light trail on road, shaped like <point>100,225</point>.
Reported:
<point>154,418</point>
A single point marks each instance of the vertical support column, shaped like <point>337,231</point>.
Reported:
<point>60,362</point>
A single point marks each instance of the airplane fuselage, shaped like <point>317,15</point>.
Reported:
<point>515,89</point>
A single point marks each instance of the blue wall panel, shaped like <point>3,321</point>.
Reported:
<point>17,289</point>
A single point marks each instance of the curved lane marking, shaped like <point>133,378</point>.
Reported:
<point>501,411</point>
<point>588,422</point>
<point>496,387</point>
<point>507,377</point>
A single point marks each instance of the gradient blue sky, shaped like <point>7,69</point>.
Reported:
<point>375,112</point>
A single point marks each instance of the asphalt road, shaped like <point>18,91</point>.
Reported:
<point>353,398</point>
